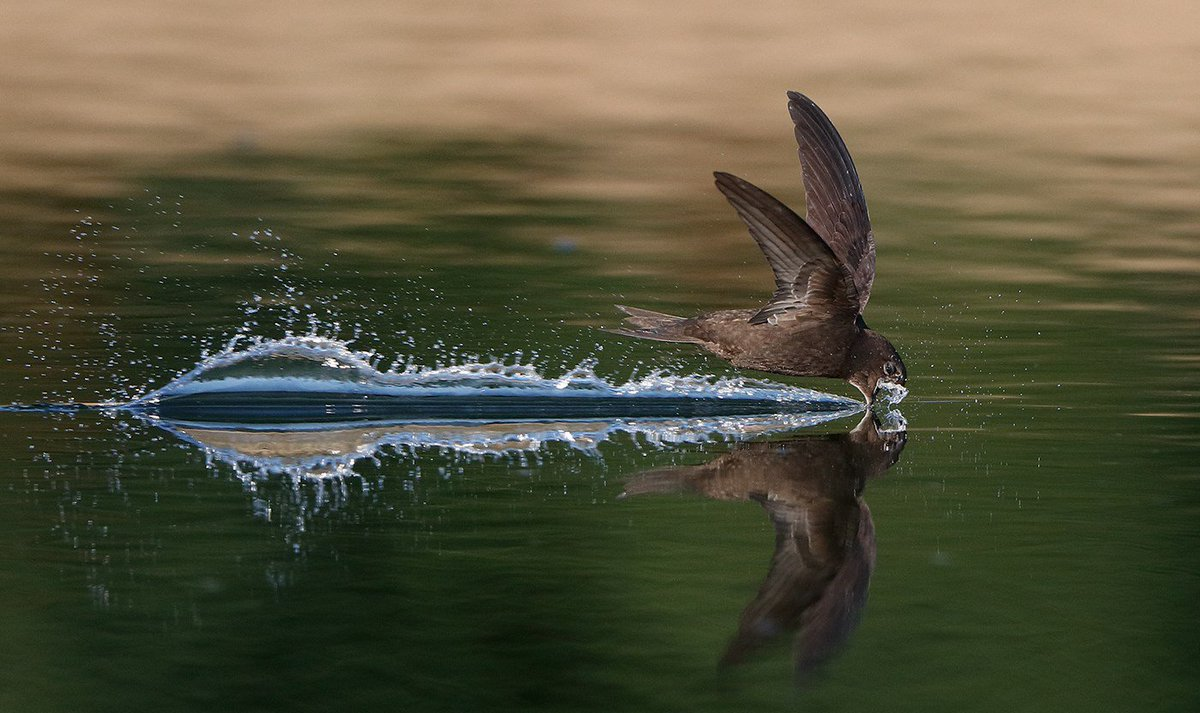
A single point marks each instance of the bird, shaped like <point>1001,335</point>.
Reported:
<point>811,488</point>
<point>823,264</point>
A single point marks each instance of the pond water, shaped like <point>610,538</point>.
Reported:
<point>447,191</point>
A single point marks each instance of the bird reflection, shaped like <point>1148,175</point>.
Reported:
<point>811,488</point>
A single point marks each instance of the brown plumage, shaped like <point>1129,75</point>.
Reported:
<point>811,488</point>
<point>824,265</point>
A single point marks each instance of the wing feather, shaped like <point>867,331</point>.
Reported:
<point>836,206</point>
<point>810,280</point>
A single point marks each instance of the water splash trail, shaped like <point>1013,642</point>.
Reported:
<point>313,380</point>
<point>313,407</point>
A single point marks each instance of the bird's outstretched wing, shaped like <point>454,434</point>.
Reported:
<point>837,209</point>
<point>810,280</point>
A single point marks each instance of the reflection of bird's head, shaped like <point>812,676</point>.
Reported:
<point>874,361</point>
<point>879,450</point>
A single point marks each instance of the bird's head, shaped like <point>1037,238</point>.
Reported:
<point>875,365</point>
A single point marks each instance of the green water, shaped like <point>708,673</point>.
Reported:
<point>1036,542</point>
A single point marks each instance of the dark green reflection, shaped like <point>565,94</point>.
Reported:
<point>430,580</point>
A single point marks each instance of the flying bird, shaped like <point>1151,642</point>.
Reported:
<point>824,264</point>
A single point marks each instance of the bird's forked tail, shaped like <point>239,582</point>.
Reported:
<point>646,324</point>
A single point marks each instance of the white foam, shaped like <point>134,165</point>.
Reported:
<point>331,366</point>
<point>892,393</point>
<point>319,365</point>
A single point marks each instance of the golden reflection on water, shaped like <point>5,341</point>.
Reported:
<point>1104,79</point>
<point>1071,123</point>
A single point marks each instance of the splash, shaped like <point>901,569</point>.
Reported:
<point>313,380</point>
<point>893,422</point>
<point>313,407</point>
<point>890,394</point>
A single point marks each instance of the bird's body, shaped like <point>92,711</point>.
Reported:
<point>798,348</point>
<point>824,267</point>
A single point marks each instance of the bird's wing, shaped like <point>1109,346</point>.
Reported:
<point>809,278</point>
<point>837,209</point>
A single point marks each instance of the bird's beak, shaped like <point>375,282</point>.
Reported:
<point>868,392</point>
<point>867,428</point>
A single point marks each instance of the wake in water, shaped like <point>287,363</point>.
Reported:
<point>312,407</point>
<point>311,378</point>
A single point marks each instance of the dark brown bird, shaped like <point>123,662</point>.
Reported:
<point>824,265</point>
<point>811,488</point>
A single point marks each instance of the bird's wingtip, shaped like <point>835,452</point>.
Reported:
<point>726,179</point>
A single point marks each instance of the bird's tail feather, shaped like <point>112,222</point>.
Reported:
<point>647,324</point>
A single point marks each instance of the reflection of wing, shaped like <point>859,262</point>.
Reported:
<point>810,487</point>
<point>809,278</point>
<point>837,209</point>
<point>817,584</point>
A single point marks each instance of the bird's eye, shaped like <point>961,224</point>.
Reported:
<point>889,368</point>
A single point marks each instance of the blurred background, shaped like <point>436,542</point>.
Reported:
<point>663,94</point>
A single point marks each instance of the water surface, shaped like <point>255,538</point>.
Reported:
<point>1032,539</point>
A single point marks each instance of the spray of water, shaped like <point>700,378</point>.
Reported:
<point>317,364</point>
<point>528,410</point>
<point>314,319</point>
